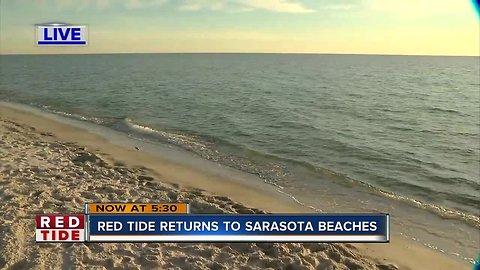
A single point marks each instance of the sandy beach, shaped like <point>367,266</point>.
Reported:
<point>50,167</point>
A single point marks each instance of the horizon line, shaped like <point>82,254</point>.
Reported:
<point>299,53</point>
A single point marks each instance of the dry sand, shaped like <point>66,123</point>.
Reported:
<point>50,167</point>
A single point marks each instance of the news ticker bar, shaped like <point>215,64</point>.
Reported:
<point>133,222</point>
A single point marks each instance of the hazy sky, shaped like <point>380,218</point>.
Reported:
<point>445,27</point>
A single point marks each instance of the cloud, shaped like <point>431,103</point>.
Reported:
<point>102,4</point>
<point>282,6</point>
<point>418,9</point>
<point>99,4</point>
<point>279,6</point>
<point>203,4</point>
<point>340,7</point>
<point>137,4</point>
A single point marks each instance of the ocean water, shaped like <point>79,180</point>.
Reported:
<point>398,134</point>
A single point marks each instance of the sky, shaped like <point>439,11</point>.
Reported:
<point>406,27</point>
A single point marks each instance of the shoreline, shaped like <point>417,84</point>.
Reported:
<point>251,195</point>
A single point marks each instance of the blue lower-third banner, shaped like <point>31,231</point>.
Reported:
<point>238,228</point>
